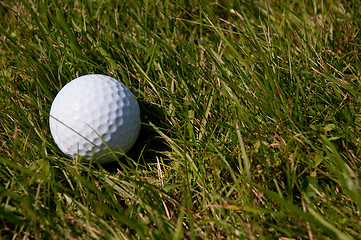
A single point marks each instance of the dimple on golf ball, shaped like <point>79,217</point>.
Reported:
<point>93,115</point>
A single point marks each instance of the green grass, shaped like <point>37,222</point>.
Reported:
<point>251,119</point>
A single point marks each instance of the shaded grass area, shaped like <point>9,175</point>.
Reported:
<point>250,111</point>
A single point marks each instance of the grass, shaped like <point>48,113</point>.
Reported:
<point>251,119</point>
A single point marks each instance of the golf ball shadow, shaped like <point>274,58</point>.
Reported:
<point>148,144</point>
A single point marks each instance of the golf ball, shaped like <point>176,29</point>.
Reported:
<point>93,115</point>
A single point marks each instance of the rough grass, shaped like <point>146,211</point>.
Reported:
<point>250,110</point>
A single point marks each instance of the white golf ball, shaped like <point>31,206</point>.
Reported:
<point>93,114</point>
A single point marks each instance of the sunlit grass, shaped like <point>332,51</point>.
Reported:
<point>250,120</point>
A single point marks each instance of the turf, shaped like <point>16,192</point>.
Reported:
<point>251,119</point>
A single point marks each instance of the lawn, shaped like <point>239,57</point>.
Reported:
<point>251,119</point>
